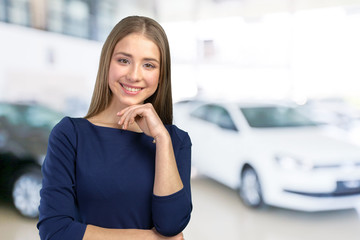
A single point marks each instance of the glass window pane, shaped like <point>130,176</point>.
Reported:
<point>266,117</point>
<point>38,116</point>
<point>3,11</point>
<point>11,113</point>
<point>105,18</point>
<point>77,19</point>
<point>55,16</point>
<point>19,12</point>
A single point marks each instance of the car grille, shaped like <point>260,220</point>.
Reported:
<point>343,188</point>
<point>338,165</point>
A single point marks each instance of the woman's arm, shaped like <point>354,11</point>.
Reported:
<point>57,211</point>
<point>171,203</point>
<point>96,233</point>
<point>171,213</point>
<point>167,178</point>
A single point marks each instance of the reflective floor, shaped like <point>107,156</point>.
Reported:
<point>219,215</point>
<point>15,227</point>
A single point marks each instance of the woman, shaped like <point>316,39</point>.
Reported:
<point>122,171</point>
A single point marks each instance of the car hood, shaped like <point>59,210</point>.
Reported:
<point>321,145</point>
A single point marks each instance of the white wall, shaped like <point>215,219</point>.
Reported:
<point>307,54</point>
<point>55,70</point>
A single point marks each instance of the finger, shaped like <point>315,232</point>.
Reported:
<point>132,115</point>
<point>123,115</point>
<point>126,118</point>
<point>121,121</point>
<point>130,118</point>
<point>122,111</point>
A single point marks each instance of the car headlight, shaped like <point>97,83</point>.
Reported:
<point>292,163</point>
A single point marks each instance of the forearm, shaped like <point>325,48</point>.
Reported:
<point>167,178</point>
<point>98,233</point>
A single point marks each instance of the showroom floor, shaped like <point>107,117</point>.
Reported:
<point>219,215</point>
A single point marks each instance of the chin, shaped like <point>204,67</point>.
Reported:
<point>130,102</point>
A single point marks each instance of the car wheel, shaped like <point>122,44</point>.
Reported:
<point>250,189</point>
<point>26,192</point>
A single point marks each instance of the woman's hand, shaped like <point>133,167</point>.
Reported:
<point>146,118</point>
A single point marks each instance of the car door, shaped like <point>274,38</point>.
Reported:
<point>215,143</point>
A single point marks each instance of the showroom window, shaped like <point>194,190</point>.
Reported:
<point>90,19</point>
<point>3,12</point>
<point>69,17</point>
<point>82,18</point>
<point>18,12</point>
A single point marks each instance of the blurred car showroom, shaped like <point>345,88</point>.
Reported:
<point>269,91</point>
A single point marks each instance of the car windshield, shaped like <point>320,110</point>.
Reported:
<point>39,116</point>
<point>275,116</point>
<point>30,115</point>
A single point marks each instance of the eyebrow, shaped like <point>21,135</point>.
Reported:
<point>129,55</point>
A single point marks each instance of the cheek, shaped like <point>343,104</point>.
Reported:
<point>155,79</point>
<point>110,74</point>
<point>115,72</point>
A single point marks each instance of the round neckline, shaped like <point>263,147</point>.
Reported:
<point>111,128</point>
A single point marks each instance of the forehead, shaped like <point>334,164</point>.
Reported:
<point>136,43</point>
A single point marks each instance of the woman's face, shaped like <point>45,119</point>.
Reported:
<point>134,70</point>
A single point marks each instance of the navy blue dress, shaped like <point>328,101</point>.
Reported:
<point>104,177</point>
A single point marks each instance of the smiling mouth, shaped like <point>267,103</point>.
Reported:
<point>131,89</point>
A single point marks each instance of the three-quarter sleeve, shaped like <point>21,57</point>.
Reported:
<point>57,219</point>
<point>171,213</point>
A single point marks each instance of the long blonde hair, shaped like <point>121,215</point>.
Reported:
<point>162,98</point>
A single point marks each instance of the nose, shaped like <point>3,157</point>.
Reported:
<point>134,73</point>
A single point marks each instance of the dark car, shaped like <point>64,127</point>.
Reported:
<point>24,132</point>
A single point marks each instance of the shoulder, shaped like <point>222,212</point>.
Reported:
<point>68,124</point>
<point>64,125</point>
<point>178,136</point>
<point>64,129</point>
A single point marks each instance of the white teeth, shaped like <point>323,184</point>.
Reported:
<point>131,89</point>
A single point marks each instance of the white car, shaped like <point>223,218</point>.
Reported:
<point>272,154</point>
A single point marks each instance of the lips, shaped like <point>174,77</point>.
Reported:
<point>130,89</point>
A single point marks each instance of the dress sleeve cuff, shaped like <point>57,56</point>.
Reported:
<point>77,230</point>
<point>171,213</point>
<point>169,197</point>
